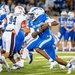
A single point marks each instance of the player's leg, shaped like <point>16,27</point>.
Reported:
<point>0,48</point>
<point>3,61</point>
<point>72,60</point>
<point>59,36</point>
<point>15,58</point>
<point>8,43</point>
<point>72,45</point>
<point>43,44</point>
<point>52,54</point>
<point>25,53</point>
<point>31,45</point>
<point>18,45</point>
<point>66,37</point>
<point>72,41</point>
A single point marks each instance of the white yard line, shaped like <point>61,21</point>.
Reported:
<point>66,52</point>
<point>59,56</point>
<point>57,71</point>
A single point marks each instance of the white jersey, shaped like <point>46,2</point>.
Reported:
<point>15,22</point>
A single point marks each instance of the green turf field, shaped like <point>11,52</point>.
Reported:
<point>40,66</point>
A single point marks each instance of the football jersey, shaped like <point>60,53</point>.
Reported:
<point>70,23</point>
<point>2,20</point>
<point>62,21</point>
<point>15,22</point>
<point>41,19</point>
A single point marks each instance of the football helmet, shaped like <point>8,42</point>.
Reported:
<point>2,11</point>
<point>6,9</point>
<point>36,11</point>
<point>63,14</point>
<point>19,10</point>
<point>71,14</point>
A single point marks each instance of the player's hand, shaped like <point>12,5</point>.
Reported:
<point>43,26</point>
<point>34,34</point>
<point>69,30</point>
<point>13,31</point>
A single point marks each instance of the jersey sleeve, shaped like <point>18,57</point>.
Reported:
<point>3,16</point>
<point>48,20</point>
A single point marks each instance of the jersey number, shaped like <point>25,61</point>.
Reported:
<point>12,20</point>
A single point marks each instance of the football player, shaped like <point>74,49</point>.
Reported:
<point>69,26</point>
<point>15,22</point>
<point>61,29</point>
<point>43,38</point>
<point>3,23</point>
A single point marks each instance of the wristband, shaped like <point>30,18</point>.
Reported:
<point>66,28</point>
<point>38,30</point>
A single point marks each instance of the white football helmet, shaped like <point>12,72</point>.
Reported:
<point>2,11</point>
<point>6,9</point>
<point>31,10</point>
<point>63,14</point>
<point>36,11</point>
<point>71,14</point>
<point>19,10</point>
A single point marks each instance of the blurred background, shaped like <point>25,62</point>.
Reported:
<point>52,7</point>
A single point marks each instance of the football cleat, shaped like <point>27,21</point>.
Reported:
<point>15,67</point>
<point>3,61</point>
<point>72,61</point>
<point>61,66</point>
<point>53,64</point>
<point>20,64</point>
<point>71,69</point>
<point>1,68</point>
<point>64,50</point>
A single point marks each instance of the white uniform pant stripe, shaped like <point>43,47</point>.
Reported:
<point>32,41</point>
<point>45,42</point>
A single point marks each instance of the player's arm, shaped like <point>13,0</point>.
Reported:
<point>51,22</point>
<point>72,27</point>
<point>5,20</point>
<point>24,26</point>
<point>41,28</point>
<point>54,23</point>
<point>65,26</point>
<point>34,34</point>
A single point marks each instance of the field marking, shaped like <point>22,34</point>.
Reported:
<point>66,52</point>
<point>50,72</point>
<point>57,52</point>
<point>59,56</point>
<point>40,57</point>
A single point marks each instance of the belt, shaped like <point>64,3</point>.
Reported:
<point>9,30</point>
